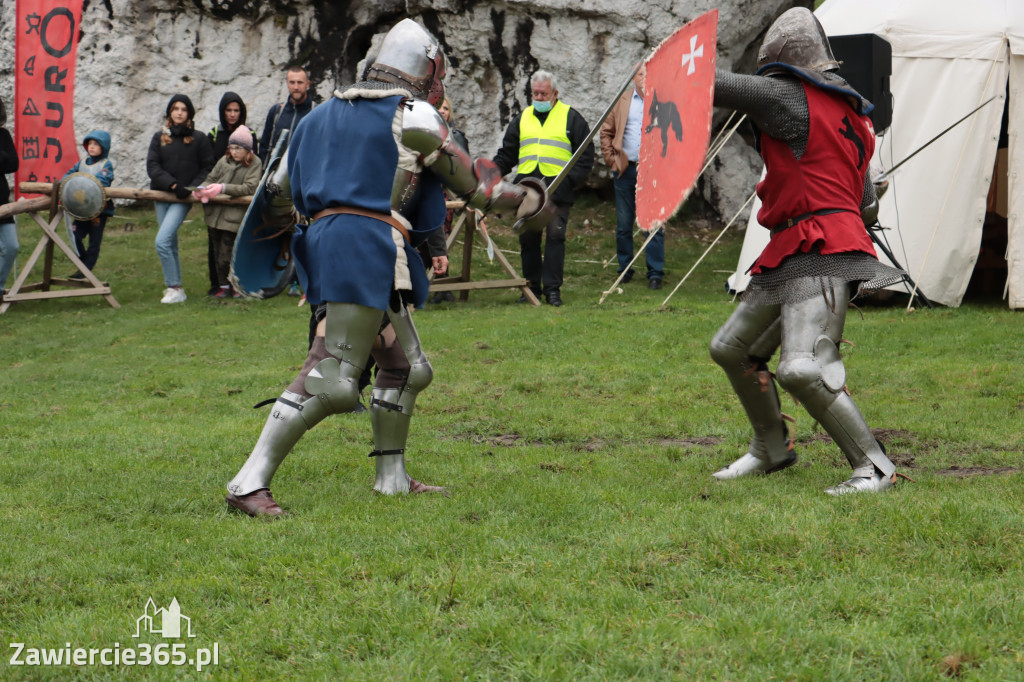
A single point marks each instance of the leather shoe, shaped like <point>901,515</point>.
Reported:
<point>749,465</point>
<point>554,298</point>
<point>257,503</point>
<point>628,276</point>
<point>654,284</point>
<point>523,299</point>
<point>417,487</point>
<point>864,484</point>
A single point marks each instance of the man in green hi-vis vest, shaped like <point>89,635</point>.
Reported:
<point>541,141</point>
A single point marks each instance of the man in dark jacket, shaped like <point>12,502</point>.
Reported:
<point>286,115</point>
<point>541,141</point>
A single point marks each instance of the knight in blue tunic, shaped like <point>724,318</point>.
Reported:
<point>369,167</point>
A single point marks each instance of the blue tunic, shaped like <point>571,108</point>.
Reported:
<point>343,153</point>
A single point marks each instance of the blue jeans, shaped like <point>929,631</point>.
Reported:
<point>8,251</point>
<point>625,212</point>
<point>93,229</point>
<point>170,217</point>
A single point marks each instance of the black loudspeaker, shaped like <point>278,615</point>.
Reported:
<point>866,65</point>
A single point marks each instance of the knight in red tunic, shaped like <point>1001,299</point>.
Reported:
<point>816,141</point>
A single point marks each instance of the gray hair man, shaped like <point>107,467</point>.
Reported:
<point>539,142</point>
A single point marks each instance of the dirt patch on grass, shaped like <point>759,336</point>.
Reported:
<point>514,440</point>
<point>965,472</point>
<point>902,459</point>
<point>504,440</point>
<point>703,441</point>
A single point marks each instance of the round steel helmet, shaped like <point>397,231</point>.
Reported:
<point>412,58</point>
<point>797,38</point>
<point>82,196</point>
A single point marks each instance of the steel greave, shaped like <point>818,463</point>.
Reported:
<point>754,332</point>
<point>391,408</point>
<point>284,427</point>
<point>390,433</point>
<point>811,368</point>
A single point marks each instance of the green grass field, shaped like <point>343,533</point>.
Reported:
<point>584,537</point>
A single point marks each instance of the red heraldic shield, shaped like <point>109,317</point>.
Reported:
<point>45,48</point>
<point>678,93</point>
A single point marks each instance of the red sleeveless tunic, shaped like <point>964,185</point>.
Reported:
<point>830,175</point>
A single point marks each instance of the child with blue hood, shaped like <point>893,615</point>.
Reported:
<point>97,146</point>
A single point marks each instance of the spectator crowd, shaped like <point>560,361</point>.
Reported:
<point>228,160</point>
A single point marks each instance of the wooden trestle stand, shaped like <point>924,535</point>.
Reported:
<point>90,286</point>
<point>463,282</point>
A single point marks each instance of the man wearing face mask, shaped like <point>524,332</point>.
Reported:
<point>541,141</point>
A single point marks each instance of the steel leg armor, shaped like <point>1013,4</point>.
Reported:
<point>811,368</point>
<point>391,406</point>
<point>742,348</point>
<point>333,385</point>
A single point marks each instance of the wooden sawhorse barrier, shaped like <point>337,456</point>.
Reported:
<point>91,286</point>
<point>463,282</point>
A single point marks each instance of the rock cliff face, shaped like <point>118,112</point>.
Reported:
<point>134,54</point>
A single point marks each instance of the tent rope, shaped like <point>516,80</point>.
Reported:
<point>708,250</point>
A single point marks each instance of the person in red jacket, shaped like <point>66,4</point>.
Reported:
<point>816,141</point>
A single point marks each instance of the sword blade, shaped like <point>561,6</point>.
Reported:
<point>920,149</point>
<point>593,131</point>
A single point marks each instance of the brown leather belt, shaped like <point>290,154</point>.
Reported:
<point>352,210</point>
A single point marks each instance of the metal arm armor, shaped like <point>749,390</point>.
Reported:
<point>478,183</point>
<point>279,191</point>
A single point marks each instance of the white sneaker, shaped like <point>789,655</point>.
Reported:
<point>174,295</point>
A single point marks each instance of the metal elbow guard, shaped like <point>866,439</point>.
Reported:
<point>278,182</point>
<point>869,213</point>
<point>490,190</point>
<point>426,134</point>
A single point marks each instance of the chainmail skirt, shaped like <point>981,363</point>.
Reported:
<point>805,275</point>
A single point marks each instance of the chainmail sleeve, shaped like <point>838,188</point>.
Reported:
<point>777,105</point>
<point>870,196</point>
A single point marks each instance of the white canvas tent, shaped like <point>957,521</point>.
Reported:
<point>948,56</point>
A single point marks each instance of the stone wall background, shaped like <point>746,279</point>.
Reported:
<point>134,55</point>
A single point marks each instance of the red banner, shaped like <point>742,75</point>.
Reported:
<point>678,94</point>
<point>45,47</point>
